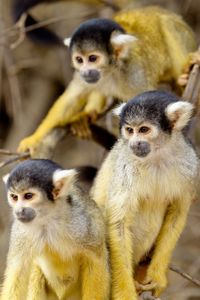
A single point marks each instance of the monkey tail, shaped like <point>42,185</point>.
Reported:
<point>40,35</point>
<point>87,173</point>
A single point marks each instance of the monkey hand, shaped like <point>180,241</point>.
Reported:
<point>80,126</point>
<point>33,145</point>
<point>193,58</point>
<point>155,282</point>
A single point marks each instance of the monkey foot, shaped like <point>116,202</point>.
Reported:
<point>146,287</point>
<point>194,58</point>
<point>81,128</point>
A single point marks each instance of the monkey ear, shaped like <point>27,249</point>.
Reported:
<point>179,113</point>
<point>5,178</point>
<point>117,110</point>
<point>62,179</point>
<point>122,43</point>
<point>67,41</point>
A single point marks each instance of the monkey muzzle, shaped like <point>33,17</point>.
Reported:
<point>141,148</point>
<point>90,76</point>
<point>25,214</point>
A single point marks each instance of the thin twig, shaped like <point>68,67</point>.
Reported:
<point>14,85</point>
<point>12,29</point>
<point>15,158</point>
<point>184,274</point>
<point>192,89</point>
<point>8,152</point>
<point>192,94</point>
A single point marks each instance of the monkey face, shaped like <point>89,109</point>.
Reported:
<point>36,189</point>
<point>151,120</point>
<point>25,214</point>
<point>89,65</point>
<point>24,204</point>
<point>141,138</point>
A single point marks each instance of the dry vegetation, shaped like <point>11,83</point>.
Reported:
<point>31,78</point>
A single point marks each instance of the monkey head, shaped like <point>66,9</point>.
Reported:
<point>35,187</point>
<point>152,121</point>
<point>95,45</point>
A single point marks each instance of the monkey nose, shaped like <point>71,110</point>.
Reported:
<point>91,76</point>
<point>141,148</point>
<point>25,214</point>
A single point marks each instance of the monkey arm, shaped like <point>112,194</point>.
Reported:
<point>96,275</point>
<point>71,107</point>
<point>17,271</point>
<point>173,225</point>
<point>120,247</point>
<point>65,108</point>
<point>36,287</point>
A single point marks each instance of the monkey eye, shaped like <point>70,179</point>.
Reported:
<point>144,129</point>
<point>129,130</point>
<point>14,197</point>
<point>28,196</point>
<point>79,59</point>
<point>92,58</point>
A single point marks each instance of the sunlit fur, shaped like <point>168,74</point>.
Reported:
<point>146,199</point>
<point>60,253</point>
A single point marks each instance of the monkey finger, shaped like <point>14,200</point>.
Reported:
<point>81,129</point>
<point>183,79</point>
<point>149,286</point>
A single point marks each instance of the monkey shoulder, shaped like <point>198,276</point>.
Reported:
<point>87,222</point>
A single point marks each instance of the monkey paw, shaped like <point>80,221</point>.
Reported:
<point>32,145</point>
<point>194,58</point>
<point>155,283</point>
<point>80,127</point>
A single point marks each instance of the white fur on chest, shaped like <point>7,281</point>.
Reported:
<point>164,178</point>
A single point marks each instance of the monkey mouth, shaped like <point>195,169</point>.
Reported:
<point>140,153</point>
<point>142,149</point>
<point>25,219</point>
<point>91,80</point>
<point>91,76</point>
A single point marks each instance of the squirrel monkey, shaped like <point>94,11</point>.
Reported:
<point>117,58</point>
<point>145,188</point>
<point>57,245</point>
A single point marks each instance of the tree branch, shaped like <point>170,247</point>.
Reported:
<point>184,275</point>
<point>192,94</point>
<point>14,159</point>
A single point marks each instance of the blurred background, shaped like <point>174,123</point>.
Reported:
<point>32,76</point>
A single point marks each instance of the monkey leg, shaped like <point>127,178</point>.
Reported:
<point>120,246</point>
<point>193,58</point>
<point>96,276</point>
<point>80,123</point>
<point>15,284</point>
<point>171,229</point>
<point>36,287</point>
<point>16,276</point>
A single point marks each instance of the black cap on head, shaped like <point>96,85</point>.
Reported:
<point>34,173</point>
<point>149,106</point>
<point>97,32</point>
